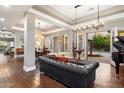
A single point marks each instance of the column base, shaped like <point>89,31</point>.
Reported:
<point>27,69</point>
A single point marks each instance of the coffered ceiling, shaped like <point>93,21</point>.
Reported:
<point>12,15</point>
<point>42,24</point>
<point>85,14</point>
<point>53,17</point>
<point>82,11</point>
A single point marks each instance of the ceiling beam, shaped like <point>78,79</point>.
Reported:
<point>109,12</point>
<point>49,10</point>
<point>17,28</point>
<point>54,31</point>
<point>108,22</point>
<point>49,19</point>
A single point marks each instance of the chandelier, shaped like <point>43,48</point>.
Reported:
<point>95,25</point>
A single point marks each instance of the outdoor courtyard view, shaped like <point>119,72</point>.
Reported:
<point>99,46</point>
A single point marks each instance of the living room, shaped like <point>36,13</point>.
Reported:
<point>58,46</point>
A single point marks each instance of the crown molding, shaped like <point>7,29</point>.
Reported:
<point>49,18</point>
<point>108,12</point>
<point>48,10</point>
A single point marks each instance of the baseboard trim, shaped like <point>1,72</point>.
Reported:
<point>27,69</point>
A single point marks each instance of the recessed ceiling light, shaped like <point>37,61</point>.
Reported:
<point>2,19</point>
<point>6,6</point>
<point>4,28</point>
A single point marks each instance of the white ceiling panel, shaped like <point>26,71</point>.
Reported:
<point>42,24</point>
<point>12,14</point>
<point>83,10</point>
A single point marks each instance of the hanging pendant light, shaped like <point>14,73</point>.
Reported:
<point>98,24</point>
<point>76,27</point>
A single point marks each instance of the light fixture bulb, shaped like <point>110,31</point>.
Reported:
<point>74,28</point>
<point>102,23</point>
<point>96,24</point>
<point>2,19</point>
<point>4,28</point>
<point>84,27</point>
<point>89,26</point>
<point>6,6</point>
<point>79,28</point>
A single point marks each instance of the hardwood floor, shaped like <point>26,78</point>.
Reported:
<point>12,75</point>
<point>107,78</point>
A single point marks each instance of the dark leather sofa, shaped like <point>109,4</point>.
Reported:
<point>72,75</point>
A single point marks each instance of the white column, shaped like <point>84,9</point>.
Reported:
<point>113,34</point>
<point>86,46</point>
<point>71,41</point>
<point>17,40</point>
<point>29,43</point>
<point>44,42</point>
